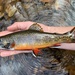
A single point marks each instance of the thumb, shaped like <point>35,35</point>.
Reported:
<point>9,53</point>
<point>14,27</point>
<point>19,26</point>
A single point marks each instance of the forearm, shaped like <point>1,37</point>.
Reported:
<point>60,30</point>
<point>53,29</point>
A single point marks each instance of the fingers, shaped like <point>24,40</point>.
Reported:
<point>5,33</point>
<point>9,53</point>
<point>67,46</point>
<point>20,26</point>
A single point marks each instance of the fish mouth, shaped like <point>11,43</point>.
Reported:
<point>1,48</point>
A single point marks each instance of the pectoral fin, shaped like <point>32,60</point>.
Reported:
<point>36,26</point>
<point>12,44</point>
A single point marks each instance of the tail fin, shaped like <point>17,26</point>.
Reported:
<point>72,34</point>
<point>73,30</point>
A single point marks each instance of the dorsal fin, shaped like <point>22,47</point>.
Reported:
<point>36,26</point>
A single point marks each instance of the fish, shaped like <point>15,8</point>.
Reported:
<point>35,39</point>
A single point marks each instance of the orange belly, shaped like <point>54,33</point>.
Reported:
<point>29,47</point>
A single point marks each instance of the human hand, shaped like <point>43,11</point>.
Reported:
<point>17,26</point>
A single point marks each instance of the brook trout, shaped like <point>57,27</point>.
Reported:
<point>34,38</point>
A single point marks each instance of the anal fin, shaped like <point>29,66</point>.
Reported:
<point>36,52</point>
<point>58,44</point>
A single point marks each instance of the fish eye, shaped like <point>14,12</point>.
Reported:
<point>0,40</point>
